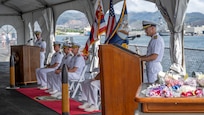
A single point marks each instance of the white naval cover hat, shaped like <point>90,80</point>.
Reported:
<point>147,24</point>
<point>37,32</point>
<point>56,43</point>
<point>75,45</point>
<point>67,45</point>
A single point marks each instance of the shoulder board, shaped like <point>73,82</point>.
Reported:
<point>60,52</point>
<point>78,55</point>
<point>43,40</point>
<point>155,37</point>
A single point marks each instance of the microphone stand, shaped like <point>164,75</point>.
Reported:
<point>28,42</point>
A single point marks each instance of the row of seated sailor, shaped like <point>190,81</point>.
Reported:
<point>49,77</point>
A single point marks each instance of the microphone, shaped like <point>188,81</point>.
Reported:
<point>29,40</point>
<point>133,37</point>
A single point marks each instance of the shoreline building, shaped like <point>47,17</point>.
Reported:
<point>197,30</point>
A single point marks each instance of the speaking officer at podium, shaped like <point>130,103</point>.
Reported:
<point>41,73</point>
<point>42,44</point>
<point>155,52</point>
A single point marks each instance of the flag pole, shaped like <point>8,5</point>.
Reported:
<point>98,27</point>
<point>119,21</point>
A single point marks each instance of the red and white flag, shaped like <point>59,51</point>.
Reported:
<point>98,27</point>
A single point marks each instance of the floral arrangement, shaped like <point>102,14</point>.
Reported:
<point>171,85</point>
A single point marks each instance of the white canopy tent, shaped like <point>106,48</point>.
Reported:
<point>174,12</point>
<point>22,14</point>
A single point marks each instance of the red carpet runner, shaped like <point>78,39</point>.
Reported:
<point>54,104</point>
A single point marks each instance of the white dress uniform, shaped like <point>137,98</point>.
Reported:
<point>155,46</point>
<point>53,79</point>
<point>76,61</point>
<point>41,73</point>
<point>90,90</point>
<point>42,44</point>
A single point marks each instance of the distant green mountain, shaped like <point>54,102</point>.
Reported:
<point>134,18</point>
<point>194,18</point>
<point>68,16</point>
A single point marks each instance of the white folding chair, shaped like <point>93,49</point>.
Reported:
<point>76,84</point>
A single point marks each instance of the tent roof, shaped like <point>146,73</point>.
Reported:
<point>18,7</point>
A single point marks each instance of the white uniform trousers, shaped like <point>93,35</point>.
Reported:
<point>152,69</point>
<point>71,76</point>
<point>50,79</point>
<point>54,80</point>
<point>37,71</point>
<point>42,59</point>
<point>41,75</point>
<point>90,90</point>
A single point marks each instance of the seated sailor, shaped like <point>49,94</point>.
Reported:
<point>75,67</point>
<point>90,91</point>
<point>54,77</point>
<point>41,73</point>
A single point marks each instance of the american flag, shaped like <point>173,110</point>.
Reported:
<point>119,33</point>
<point>111,20</point>
<point>98,27</point>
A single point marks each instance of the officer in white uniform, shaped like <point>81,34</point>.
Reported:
<point>76,64</point>
<point>155,52</point>
<point>41,73</point>
<point>42,44</point>
<point>75,67</point>
<point>90,90</point>
<point>54,77</point>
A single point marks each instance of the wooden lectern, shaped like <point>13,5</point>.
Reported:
<point>27,59</point>
<point>121,75</point>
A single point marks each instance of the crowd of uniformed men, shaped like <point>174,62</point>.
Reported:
<point>49,76</point>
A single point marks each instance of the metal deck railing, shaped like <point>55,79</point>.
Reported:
<point>194,58</point>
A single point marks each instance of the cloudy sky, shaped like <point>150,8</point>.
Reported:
<point>142,5</point>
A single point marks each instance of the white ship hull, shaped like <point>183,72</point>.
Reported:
<point>164,33</point>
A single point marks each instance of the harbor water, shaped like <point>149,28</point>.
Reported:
<point>194,50</point>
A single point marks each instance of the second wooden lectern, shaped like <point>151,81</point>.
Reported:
<point>27,59</point>
<point>121,75</point>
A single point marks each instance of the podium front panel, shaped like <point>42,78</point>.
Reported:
<point>121,73</point>
<point>27,60</point>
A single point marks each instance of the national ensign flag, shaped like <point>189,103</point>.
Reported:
<point>98,27</point>
<point>120,33</point>
<point>111,20</point>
